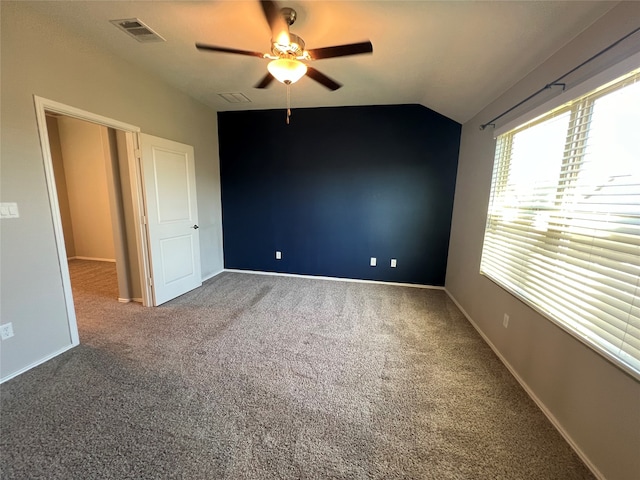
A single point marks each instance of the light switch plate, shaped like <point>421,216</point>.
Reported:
<point>9,210</point>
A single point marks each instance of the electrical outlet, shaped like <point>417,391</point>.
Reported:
<point>505,321</point>
<point>394,263</point>
<point>373,261</point>
<point>6,331</point>
<point>278,255</point>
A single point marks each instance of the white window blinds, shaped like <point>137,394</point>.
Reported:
<point>563,227</point>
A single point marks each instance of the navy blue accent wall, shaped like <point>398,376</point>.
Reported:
<point>336,187</point>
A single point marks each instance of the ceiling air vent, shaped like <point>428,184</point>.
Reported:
<point>235,97</point>
<point>138,30</point>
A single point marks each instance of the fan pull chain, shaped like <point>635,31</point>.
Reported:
<point>288,103</point>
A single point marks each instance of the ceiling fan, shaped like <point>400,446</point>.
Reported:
<point>288,54</point>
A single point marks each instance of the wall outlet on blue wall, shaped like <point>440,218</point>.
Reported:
<point>278,255</point>
<point>373,261</point>
<point>394,263</point>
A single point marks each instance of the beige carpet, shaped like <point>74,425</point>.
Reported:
<point>261,377</point>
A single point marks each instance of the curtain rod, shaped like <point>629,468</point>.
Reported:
<point>557,81</point>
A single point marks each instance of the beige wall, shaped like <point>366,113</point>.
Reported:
<point>594,402</point>
<point>40,58</point>
<point>86,157</point>
<point>61,185</point>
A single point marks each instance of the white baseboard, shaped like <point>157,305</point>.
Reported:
<point>336,279</point>
<point>95,259</point>
<point>211,275</point>
<point>129,300</point>
<point>35,364</point>
<point>554,421</point>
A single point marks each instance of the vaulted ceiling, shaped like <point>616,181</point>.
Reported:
<point>454,57</point>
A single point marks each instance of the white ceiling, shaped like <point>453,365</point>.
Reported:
<point>454,57</point>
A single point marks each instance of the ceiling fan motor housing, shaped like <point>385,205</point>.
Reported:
<point>294,49</point>
<point>289,15</point>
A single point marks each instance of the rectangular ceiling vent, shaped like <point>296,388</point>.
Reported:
<point>235,97</point>
<point>138,30</point>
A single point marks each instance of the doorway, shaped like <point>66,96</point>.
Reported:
<point>96,208</point>
<point>129,145</point>
<point>166,237</point>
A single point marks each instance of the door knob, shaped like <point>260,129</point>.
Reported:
<point>195,227</point>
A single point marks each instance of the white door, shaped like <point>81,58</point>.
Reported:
<point>172,217</point>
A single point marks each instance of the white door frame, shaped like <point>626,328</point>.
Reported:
<point>42,105</point>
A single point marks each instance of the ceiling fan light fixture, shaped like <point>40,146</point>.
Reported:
<point>287,70</point>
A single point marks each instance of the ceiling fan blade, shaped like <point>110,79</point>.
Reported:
<point>276,21</point>
<point>322,79</point>
<point>341,50</point>
<point>265,82</point>
<point>214,48</point>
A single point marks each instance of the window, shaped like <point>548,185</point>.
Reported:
<point>563,227</point>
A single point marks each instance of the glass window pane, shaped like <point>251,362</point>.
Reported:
<point>536,162</point>
<point>611,170</point>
